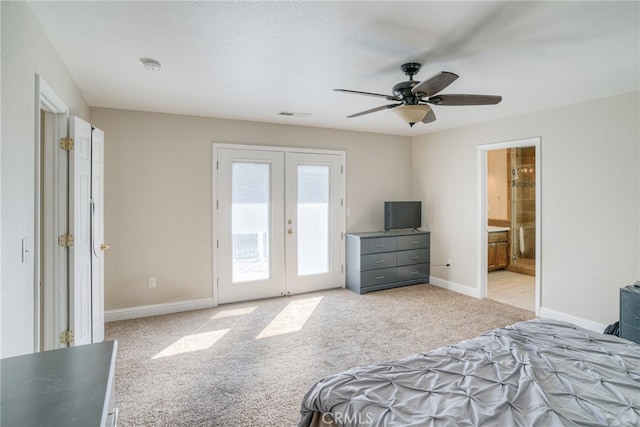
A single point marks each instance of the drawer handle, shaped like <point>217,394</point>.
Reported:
<point>380,245</point>
<point>415,242</point>
<point>415,272</point>
<point>415,257</point>
<point>380,261</point>
<point>379,277</point>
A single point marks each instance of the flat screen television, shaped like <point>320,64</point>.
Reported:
<point>402,215</point>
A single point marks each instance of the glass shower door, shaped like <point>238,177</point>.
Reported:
<point>523,209</point>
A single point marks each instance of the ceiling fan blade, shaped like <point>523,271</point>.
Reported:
<point>430,117</point>
<point>379,95</point>
<point>435,83</point>
<point>465,99</point>
<point>373,110</point>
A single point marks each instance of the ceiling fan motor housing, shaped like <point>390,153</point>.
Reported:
<point>403,91</point>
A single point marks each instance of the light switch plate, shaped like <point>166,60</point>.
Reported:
<point>25,250</point>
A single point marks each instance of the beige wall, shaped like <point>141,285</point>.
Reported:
<point>25,52</point>
<point>158,194</point>
<point>590,200</point>
<point>497,184</point>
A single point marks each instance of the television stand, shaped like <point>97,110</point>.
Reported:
<point>387,259</point>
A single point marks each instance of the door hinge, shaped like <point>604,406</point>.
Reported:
<point>341,203</point>
<point>217,205</point>
<point>342,268</point>
<point>342,235</point>
<point>66,337</point>
<point>341,169</point>
<point>218,244</point>
<point>65,240</point>
<point>66,143</point>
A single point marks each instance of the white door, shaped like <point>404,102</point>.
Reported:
<point>80,229</point>
<point>314,199</point>
<point>261,252</point>
<point>97,235</point>
<point>250,224</point>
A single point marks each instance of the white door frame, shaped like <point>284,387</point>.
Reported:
<point>47,259</point>
<point>214,197</point>
<point>482,211</point>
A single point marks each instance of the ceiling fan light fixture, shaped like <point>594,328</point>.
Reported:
<point>412,113</point>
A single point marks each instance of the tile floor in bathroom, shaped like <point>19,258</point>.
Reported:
<point>512,288</point>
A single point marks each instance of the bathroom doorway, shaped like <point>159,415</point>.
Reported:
<point>509,225</point>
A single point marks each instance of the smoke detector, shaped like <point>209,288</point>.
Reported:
<point>151,64</point>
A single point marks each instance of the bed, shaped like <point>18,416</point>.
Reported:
<point>539,372</point>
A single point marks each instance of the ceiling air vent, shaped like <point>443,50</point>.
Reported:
<point>293,114</point>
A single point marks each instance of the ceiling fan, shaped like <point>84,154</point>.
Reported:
<point>412,98</point>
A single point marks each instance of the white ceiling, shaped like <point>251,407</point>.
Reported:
<point>252,60</point>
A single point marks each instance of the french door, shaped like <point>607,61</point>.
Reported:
<point>280,222</point>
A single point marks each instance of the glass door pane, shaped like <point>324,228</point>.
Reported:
<point>249,224</point>
<point>313,219</point>
<point>250,220</point>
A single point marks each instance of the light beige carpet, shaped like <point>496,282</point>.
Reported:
<point>249,364</point>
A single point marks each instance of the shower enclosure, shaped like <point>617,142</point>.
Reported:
<point>522,162</point>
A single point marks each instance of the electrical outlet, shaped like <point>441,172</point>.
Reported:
<point>152,282</point>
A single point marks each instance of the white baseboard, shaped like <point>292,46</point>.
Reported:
<point>156,309</point>
<point>544,312</point>
<point>583,323</point>
<point>455,287</point>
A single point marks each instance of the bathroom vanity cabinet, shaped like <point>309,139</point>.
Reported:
<point>498,250</point>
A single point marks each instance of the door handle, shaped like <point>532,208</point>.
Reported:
<point>104,247</point>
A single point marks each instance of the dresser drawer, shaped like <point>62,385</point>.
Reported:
<point>378,277</point>
<point>413,242</point>
<point>629,332</point>
<point>377,261</point>
<point>376,245</point>
<point>413,272</point>
<point>416,256</point>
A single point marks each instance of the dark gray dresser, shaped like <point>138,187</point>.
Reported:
<point>630,313</point>
<point>68,387</point>
<point>382,260</point>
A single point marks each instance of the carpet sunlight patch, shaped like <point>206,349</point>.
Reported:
<point>292,318</point>
<point>191,343</point>
<point>236,312</point>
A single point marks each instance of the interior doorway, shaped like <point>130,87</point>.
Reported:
<point>50,263</point>
<point>509,227</point>
<point>68,293</point>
